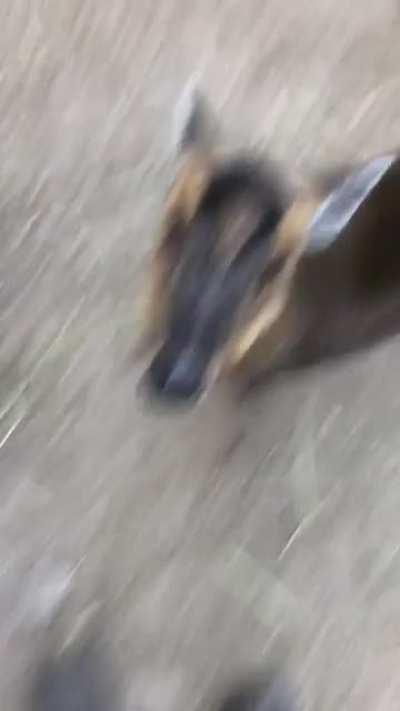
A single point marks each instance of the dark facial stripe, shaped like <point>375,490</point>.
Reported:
<point>242,177</point>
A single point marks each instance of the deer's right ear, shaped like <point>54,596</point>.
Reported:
<point>195,165</point>
<point>194,123</point>
<point>194,141</point>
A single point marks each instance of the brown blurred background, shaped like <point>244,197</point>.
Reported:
<point>218,539</point>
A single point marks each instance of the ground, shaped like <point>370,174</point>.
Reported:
<point>223,538</point>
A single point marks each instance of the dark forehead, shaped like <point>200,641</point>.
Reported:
<point>237,196</point>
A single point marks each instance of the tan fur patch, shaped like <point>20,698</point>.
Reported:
<point>189,186</point>
<point>293,228</point>
<point>291,241</point>
<point>153,303</point>
<point>182,202</point>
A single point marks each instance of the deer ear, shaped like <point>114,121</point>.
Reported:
<point>195,126</point>
<point>342,204</point>
<point>194,149</point>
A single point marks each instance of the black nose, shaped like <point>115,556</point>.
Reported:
<point>178,379</point>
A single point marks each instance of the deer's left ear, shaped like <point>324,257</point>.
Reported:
<point>337,210</point>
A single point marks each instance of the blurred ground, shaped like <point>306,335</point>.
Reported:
<point>222,537</point>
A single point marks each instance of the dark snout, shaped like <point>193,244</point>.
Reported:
<point>176,376</point>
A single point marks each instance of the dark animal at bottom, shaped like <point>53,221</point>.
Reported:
<point>78,679</point>
<point>73,681</point>
<point>247,280</point>
<point>74,672</point>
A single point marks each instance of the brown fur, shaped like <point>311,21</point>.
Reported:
<point>336,301</point>
<point>181,204</point>
<point>273,299</point>
<point>318,305</point>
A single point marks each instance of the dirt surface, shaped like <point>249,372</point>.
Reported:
<point>229,536</point>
